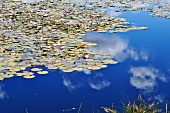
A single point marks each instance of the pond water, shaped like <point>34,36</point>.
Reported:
<point>143,68</point>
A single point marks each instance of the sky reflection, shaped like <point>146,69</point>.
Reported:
<point>95,81</point>
<point>70,82</point>
<point>3,94</point>
<point>114,45</point>
<point>142,77</point>
<point>98,82</point>
<point>145,77</point>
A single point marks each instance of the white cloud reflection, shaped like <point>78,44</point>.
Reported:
<point>87,71</point>
<point>78,1</point>
<point>98,82</point>
<point>99,85</point>
<point>73,81</point>
<point>3,94</point>
<point>145,77</point>
<point>111,12</point>
<point>144,55</point>
<point>160,98</point>
<point>117,47</point>
<point>70,84</point>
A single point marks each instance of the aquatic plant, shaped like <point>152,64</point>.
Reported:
<point>157,8</point>
<point>49,34</point>
<point>139,106</point>
<point>32,36</point>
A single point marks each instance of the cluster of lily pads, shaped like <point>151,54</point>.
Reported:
<point>49,34</point>
<point>159,8</point>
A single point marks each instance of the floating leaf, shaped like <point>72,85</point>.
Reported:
<point>68,70</point>
<point>1,78</point>
<point>109,62</point>
<point>93,68</point>
<point>19,74</point>
<point>42,72</point>
<point>78,69</point>
<point>29,76</point>
<point>36,69</point>
<point>7,76</point>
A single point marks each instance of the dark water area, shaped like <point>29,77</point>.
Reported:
<point>143,68</point>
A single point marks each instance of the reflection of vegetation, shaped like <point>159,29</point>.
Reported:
<point>139,106</point>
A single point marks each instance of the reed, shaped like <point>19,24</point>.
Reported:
<point>138,106</point>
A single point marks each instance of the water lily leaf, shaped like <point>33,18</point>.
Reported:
<point>109,62</point>
<point>42,72</point>
<point>67,70</point>
<point>93,68</point>
<point>7,76</point>
<point>19,74</point>
<point>1,78</point>
<point>78,69</point>
<point>29,76</point>
<point>36,69</point>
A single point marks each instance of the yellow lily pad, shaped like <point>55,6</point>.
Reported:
<point>109,62</point>
<point>29,76</point>
<point>1,78</point>
<point>42,72</point>
<point>78,69</point>
<point>67,70</point>
<point>36,69</point>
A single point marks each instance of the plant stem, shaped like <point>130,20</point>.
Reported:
<point>79,108</point>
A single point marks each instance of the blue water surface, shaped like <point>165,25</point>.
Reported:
<point>143,68</point>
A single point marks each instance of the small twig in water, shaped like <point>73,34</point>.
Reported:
<point>125,96</point>
<point>93,109</point>
<point>69,109</point>
<point>79,108</point>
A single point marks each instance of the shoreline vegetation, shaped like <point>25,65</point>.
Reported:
<point>138,106</point>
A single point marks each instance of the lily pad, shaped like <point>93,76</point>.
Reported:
<point>67,70</point>
<point>29,76</point>
<point>19,74</point>
<point>36,69</point>
<point>1,78</point>
<point>109,62</point>
<point>42,72</point>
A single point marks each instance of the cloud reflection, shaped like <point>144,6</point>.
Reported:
<point>159,98</point>
<point>144,55</point>
<point>3,94</point>
<point>99,85</point>
<point>145,77</point>
<point>68,84</point>
<point>98,82</point>
<point>87,71</point>
<point>111,12</point>
<point>114,45</point>
<point>73,81</point>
